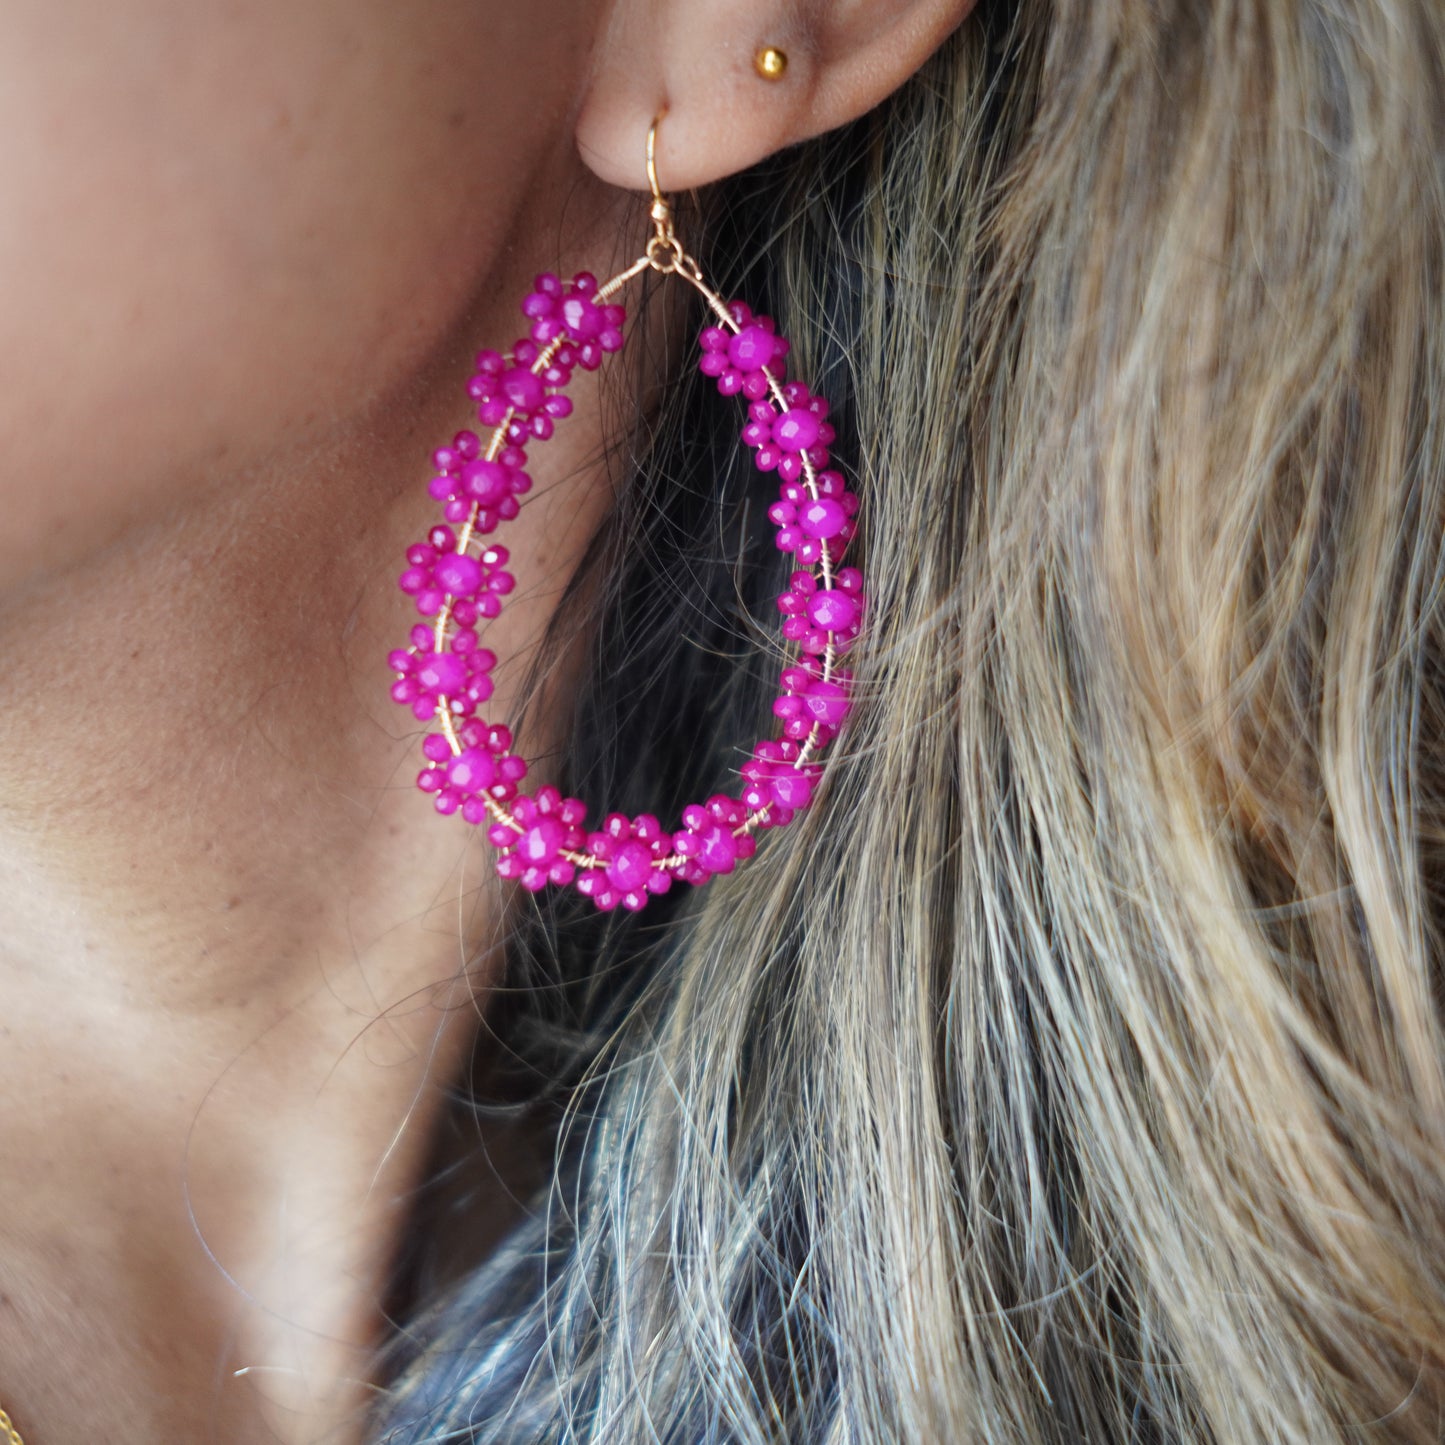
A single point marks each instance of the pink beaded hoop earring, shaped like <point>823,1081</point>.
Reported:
<point>458,580</point>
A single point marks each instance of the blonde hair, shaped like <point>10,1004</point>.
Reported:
<point>1073,1069</point>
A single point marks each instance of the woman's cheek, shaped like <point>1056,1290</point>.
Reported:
<point>225,229</point>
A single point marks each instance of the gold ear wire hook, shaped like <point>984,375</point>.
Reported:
<point>664,251</point>
<point>661,209</point>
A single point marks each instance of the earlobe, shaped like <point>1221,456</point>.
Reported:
<point>740,81</point>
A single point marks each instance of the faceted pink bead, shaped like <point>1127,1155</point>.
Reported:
<point>593,884</point>
<point>718,848</point>
<point>793,790</point>
<point>472,771</point>
<point>459,574</point>
<point>752,348</point>
<point>523,390</point>
<point>485,482</point>
<point>823,518</point>
<point>542,840</point>
<point>833,611</point>
<point>826,702</point>
<point>583,317</point>
<point>441,672</point>
<point>629,867</point>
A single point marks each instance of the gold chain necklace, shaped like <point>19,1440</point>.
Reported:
<point>9,1435</point>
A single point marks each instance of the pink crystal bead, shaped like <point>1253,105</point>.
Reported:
<point>752,348</point>
<point>823,519</point>
<point>796,430</point>
<point>541,831</point>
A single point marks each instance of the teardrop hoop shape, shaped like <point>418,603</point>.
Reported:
<point>458,579</point>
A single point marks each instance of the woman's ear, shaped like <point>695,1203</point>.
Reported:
<point>695,61</point>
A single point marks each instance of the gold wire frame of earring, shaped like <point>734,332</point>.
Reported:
<point>664,254</point>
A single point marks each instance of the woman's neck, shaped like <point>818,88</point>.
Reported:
<point>240,958</point>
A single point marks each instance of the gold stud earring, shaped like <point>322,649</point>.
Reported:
<point>770,62</point>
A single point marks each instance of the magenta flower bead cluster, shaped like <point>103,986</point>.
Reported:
<point>458,580</point>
